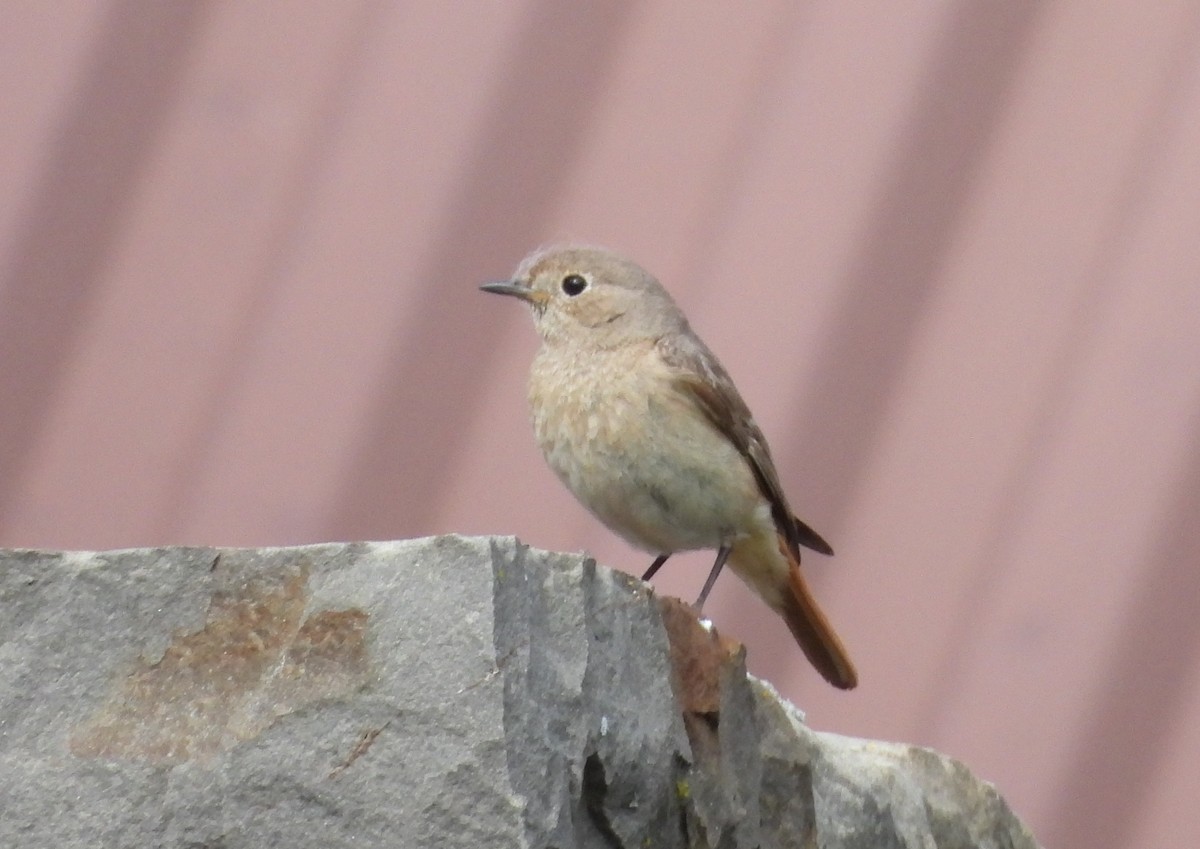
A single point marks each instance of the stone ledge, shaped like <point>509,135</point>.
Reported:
<point>443,692</point>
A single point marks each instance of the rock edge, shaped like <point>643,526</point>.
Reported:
<point>445,692</point>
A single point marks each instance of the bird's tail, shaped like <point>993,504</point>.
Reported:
<point>818,640</point>
<point>788,594</point>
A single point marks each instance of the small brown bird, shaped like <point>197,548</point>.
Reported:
<point>644,425</point>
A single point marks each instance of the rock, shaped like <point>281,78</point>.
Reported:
<point>441,692</point>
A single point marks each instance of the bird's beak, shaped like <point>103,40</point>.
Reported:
<point>509,287</point>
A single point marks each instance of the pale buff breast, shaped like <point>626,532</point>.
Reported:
<point>638,454</point>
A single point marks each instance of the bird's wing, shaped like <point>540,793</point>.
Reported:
<point>702,378</point>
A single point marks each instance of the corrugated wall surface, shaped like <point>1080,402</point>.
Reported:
<point>949,249</point>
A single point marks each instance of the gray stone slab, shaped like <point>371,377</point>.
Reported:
<point>442,692</point>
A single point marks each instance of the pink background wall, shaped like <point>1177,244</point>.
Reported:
<point>949,249</point>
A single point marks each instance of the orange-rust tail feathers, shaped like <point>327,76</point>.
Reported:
<point>816,637</point>
<point>771,567</point>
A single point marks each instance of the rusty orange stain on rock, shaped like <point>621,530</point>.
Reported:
<point>256,659</point>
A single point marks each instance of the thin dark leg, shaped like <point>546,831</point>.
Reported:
<point>722,556</point>
<point>655,566</point>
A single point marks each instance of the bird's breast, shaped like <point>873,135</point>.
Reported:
<point>589,410</point>
<point>639,455</point>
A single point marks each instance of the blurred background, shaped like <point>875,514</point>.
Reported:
<point>950,250</point>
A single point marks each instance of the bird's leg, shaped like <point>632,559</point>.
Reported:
<point>655,566</point>
<point>722,556</point>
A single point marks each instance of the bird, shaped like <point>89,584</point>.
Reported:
<point>645,427</point>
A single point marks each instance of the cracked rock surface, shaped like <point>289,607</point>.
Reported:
<point>441,692</point>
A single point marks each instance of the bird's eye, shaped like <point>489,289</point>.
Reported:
<point>573,284</point>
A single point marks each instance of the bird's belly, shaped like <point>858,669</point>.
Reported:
<point>659,515</point>
<point>651,469</point>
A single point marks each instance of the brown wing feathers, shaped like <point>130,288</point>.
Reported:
<point>705,381</point>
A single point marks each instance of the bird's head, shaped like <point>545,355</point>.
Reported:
<point>591,298</point>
